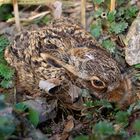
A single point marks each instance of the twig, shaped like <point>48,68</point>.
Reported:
<point>16,13</point>
<point>83,13</point>
<point>30,19</point>
<point>112,5</point>
<point>28,2</point>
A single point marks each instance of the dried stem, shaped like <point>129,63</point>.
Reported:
<point>112,5</point>
<point>32,2</point>
<point>83,13</point>
<point>28,20</point>
<point>16,13</point>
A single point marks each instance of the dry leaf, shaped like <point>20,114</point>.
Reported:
<point>67,128</point>
<point>74,92</point>
<point>138,95</point>
<point>69,124</point>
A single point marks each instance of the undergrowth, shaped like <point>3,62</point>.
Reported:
<point>108,25</point>
<point>6,73</point>
<point>110,122</point>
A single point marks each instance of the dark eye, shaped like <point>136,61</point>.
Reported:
<point>98,83</point>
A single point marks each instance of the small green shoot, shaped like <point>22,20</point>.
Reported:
<point>104,128</point>
<point>32,114</point>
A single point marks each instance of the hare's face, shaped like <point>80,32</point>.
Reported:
<point>98,71</point>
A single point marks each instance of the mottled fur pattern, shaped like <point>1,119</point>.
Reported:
<point>70,44</point>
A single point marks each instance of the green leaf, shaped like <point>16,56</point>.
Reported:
<point>21,107</point>
<point>120,12</point>
<point>131,11</point>
<point>88,103</point>
<point>111,16</point>
<point>46,20</point>
<point>7,125</point>
<point>3,43</point>
<point>120,2</point>
<point>109,45</point>
<point>98,1</point>
<point>118,27</point>
<point>122,117</point>
<point>137,66</point>
<point>33,116</point>
<point>136,126</point>
<point>6,83</point>
<point>5,11</point>
<point>96,30</point>
<point>98,12</point>
<point>103,103</point>
<point>2,102</point>
<point>104,128</point>
<point>2,60</point>
<point>6,72</point>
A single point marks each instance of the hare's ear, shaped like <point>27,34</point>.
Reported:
<point>55,60</point>
<point>66,66</point>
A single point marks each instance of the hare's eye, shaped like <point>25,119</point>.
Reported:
<point>96,82</point>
